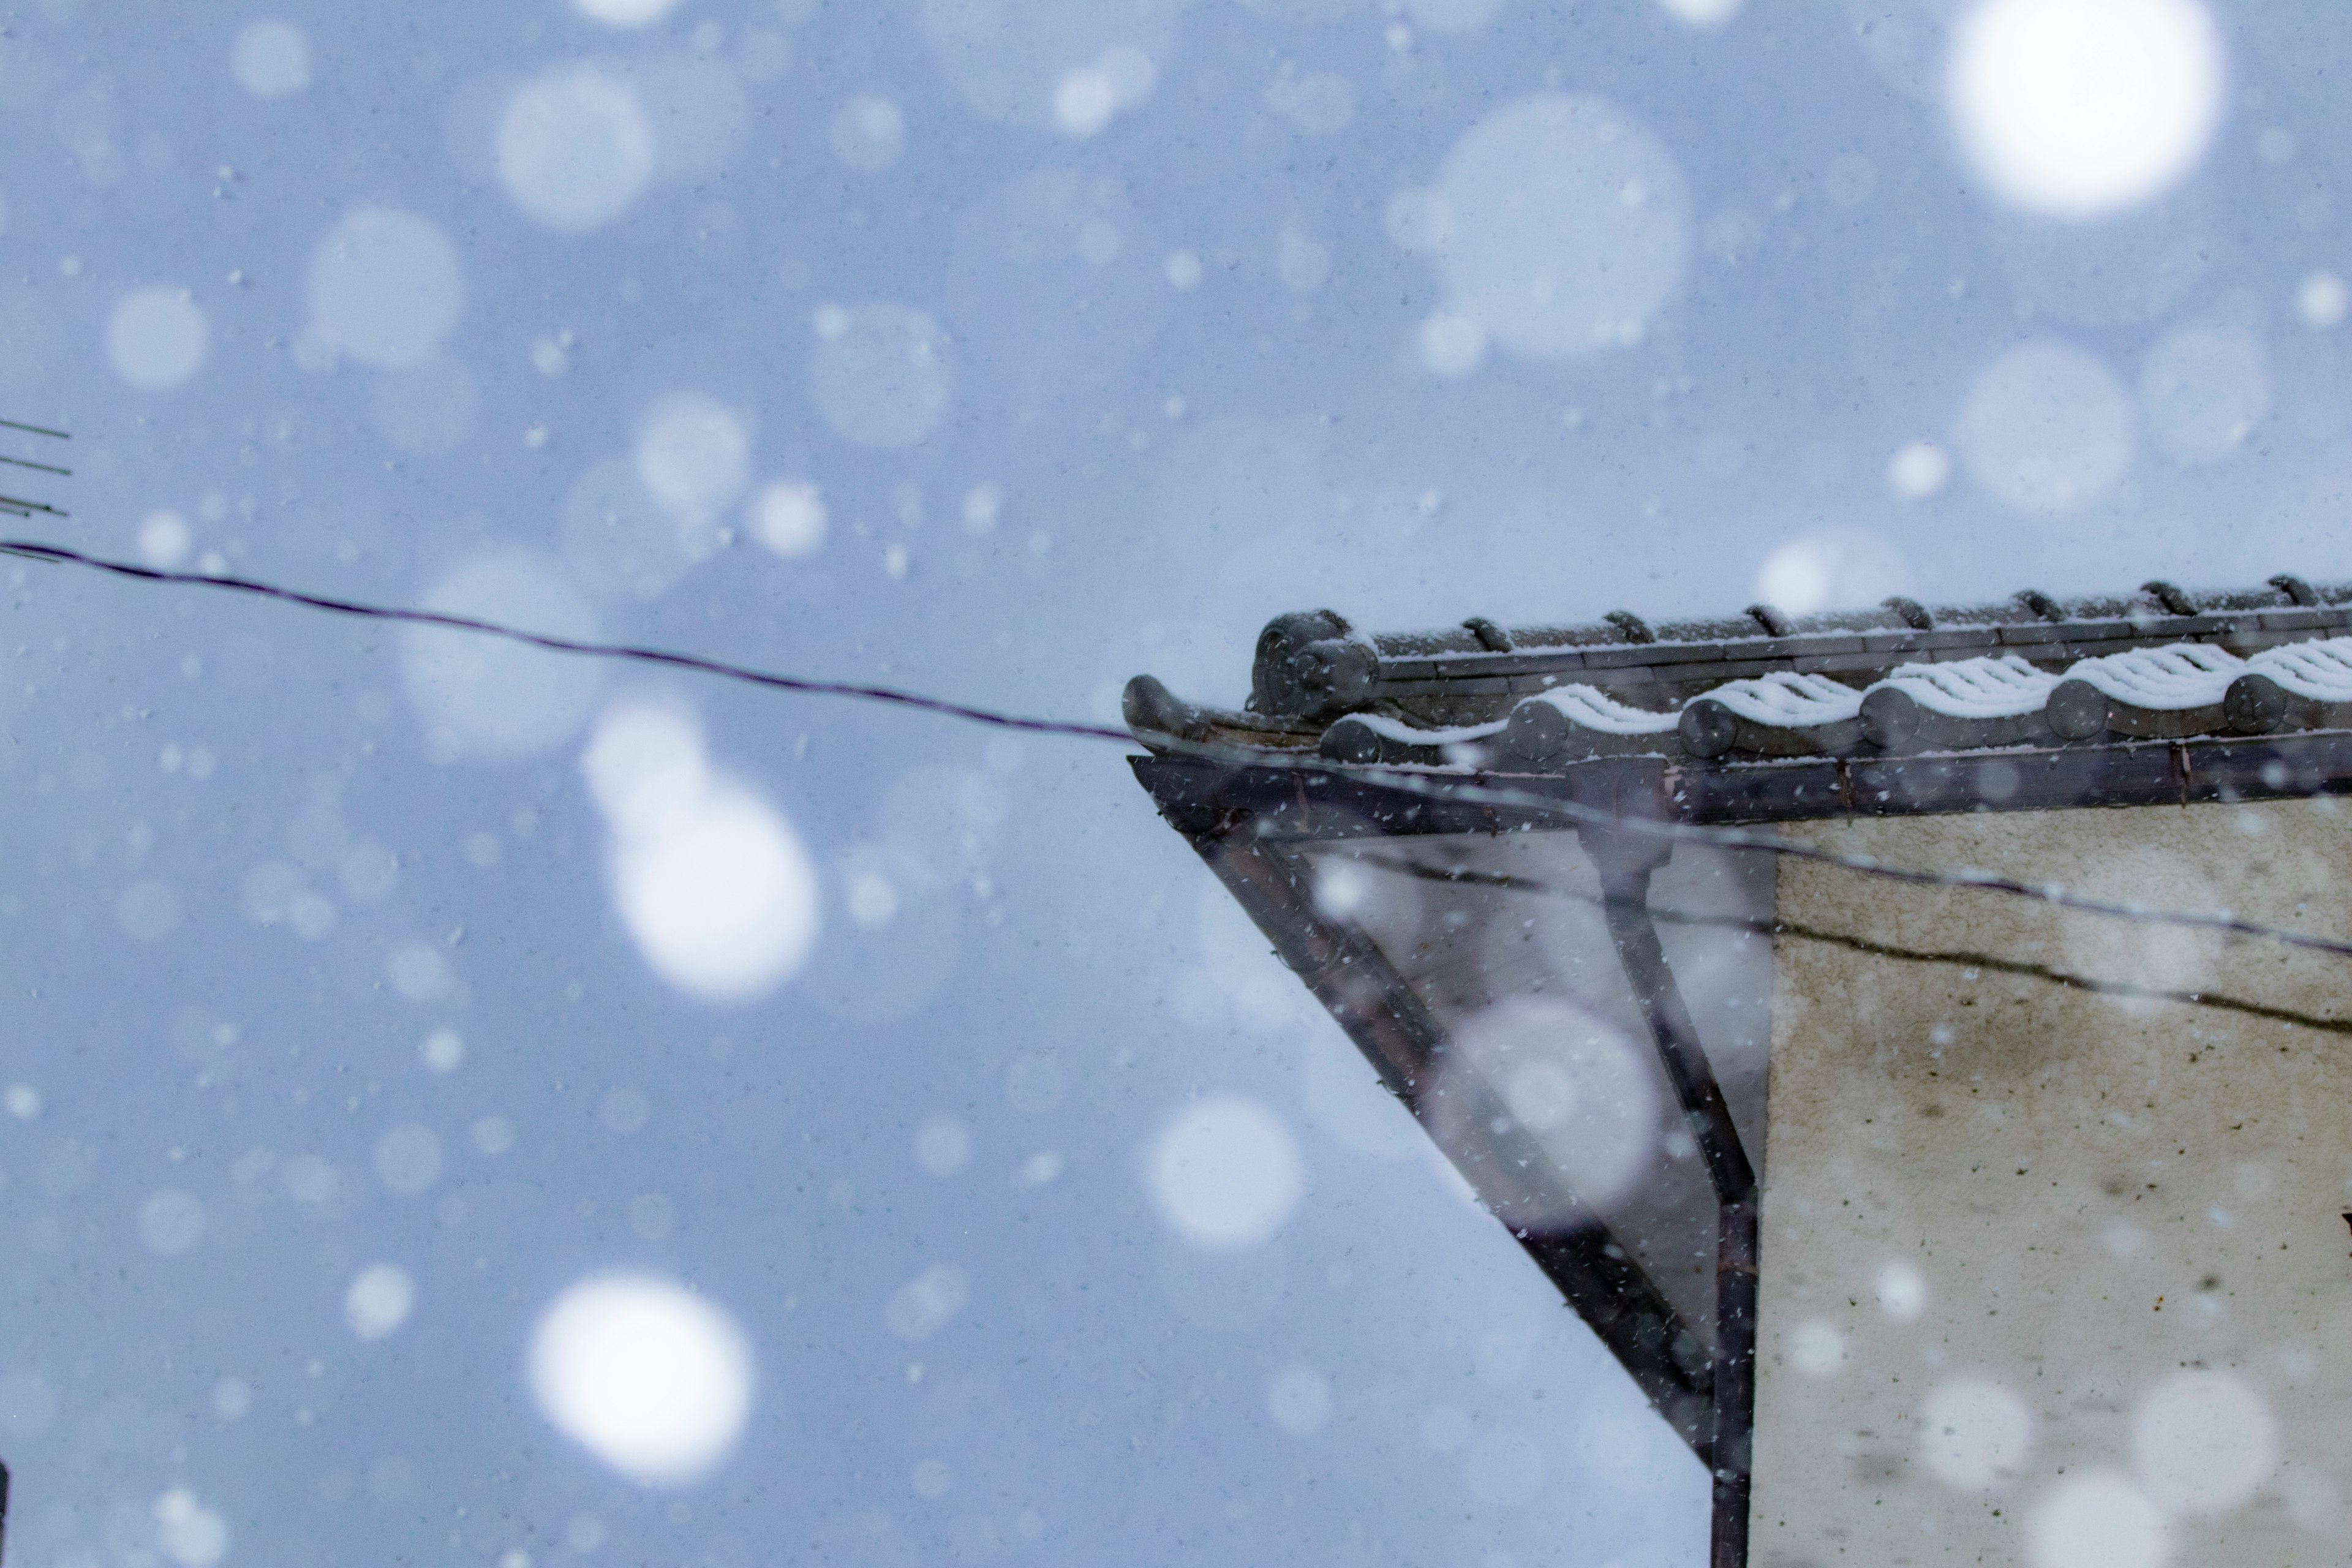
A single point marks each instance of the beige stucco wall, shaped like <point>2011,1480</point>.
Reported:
<point>2052,1276</point>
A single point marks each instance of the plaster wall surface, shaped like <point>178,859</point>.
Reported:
<point>2056,1268</point>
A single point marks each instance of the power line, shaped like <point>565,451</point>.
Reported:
<point>58,555</point>
<point>1401,781</point>
<point>1408,782</point>
<point>2054,893</point>
<point>1750,925</point>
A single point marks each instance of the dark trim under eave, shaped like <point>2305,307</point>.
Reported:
<point>1317,803</point>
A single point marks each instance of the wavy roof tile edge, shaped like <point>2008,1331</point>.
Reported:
<point>1722,689</point>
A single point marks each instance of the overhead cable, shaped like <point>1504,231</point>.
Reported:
<point>1750,925</point>
<point>58,555</point>
<point>1401,781</point>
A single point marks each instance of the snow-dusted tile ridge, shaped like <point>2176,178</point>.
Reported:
<point>1999,686</point>
<point>2184,676</point>
<point>1787,699</point>
<point>2318,671</point>
<point>1590,708</point>
<point>1397,730</point>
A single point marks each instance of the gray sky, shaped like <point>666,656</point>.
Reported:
<point>995,1196</point>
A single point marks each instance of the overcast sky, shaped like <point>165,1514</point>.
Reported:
<point>394,1025</point>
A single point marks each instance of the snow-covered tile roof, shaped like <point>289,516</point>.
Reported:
<point>2164,664</point>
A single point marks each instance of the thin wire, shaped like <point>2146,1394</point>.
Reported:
<point>2055,893</point>
<point>1400,781</point>
<point>1512,882</point>
<point>35,429</point>
<point>58,555</point>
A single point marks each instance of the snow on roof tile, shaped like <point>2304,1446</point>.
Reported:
<point>2165,663</point>
<point>2187,675</point>
<point>1594,708</point>
<point>2004,686</point>
<point>2320,672</point>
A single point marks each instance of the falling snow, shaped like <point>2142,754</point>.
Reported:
<point>474,1103</point>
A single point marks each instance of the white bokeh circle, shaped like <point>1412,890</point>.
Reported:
<point>486,699</point>
<point>1063,65</point>
<point>1975,1434</point>
<point>2204,390</point>
<point>2204,1442</point>
<point>868,133</point>
<point>625,13</point>
<point>650,1378</point>
<point>1702,12</point>
<point>2077,109</point>
<point>715,887</point>
<point>1833,569</point>
<point>575,148</point>
<point>155,338</point>
<point>1918,469</point>
<point>1902,1290</point>
<point>171,1221</point>
<point>882,375</point>
<point>379,1300</point>
<point>789,518</point>
<point>2046,428</point>
<point>1572,1081</point>
<point>2096,1517</point>
<point>693,455</point>
<point>1817,1348</point>
<point>270,59</point>
<point>1561,225</point>
<point>386,288</point>
<point>1225,1171</point>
